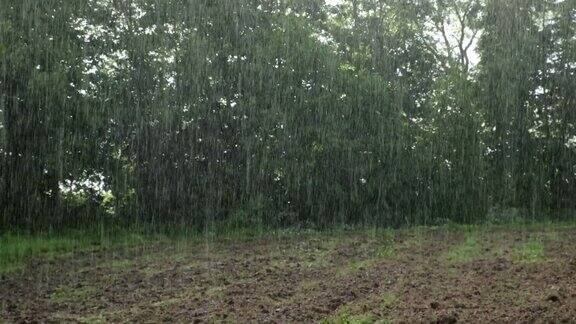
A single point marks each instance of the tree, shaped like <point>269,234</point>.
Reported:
<point>39,55</point>
<point>510,51</point>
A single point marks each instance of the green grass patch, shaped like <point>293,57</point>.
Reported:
<point>389,300</point>
<point>358,314</point>
<point>120,264</point>
<point>355,266</point>
<point>465,252</point>
<point>529,252</point>
<point>386,251</point>
<point>345,318</point>
<point>16,249</point>
<point>66,294</point>
<point>385,245</point>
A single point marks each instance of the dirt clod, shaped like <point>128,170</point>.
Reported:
<point>553,298</point>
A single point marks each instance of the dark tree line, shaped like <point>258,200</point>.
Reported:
<point>283,113</point>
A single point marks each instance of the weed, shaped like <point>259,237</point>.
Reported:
<point>120,264</point>
<point>530,252</point>
<point>466,252</point>
<point>66,294</point>
<point>355,266</point>
<point>16,249</point>
<point>386,251</point>
<point>388,300</point>
<point>345,318</point>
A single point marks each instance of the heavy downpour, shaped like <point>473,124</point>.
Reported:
<point>316,161</point>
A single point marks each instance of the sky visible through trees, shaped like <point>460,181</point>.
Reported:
<point>278,113</point>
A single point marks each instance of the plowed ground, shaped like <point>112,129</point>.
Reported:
<point>378,276</point>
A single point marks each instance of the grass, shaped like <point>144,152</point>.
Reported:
<point>387,248</point>
<point>120,264</point>
<point>388,300</point>
<point>16,249</point>
<point>66,294</point>
<point>386,251</point>
<point>530,252</point>
<point>465,252</point>
<point>355,266</point>
<point>345,318</point>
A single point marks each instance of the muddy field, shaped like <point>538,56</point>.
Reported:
<point>404,276</point>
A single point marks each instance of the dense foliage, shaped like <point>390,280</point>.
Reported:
<point>285,112</point>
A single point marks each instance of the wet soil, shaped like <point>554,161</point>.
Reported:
<point>432,276</point>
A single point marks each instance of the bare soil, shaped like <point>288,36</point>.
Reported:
<point>431,276</point>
